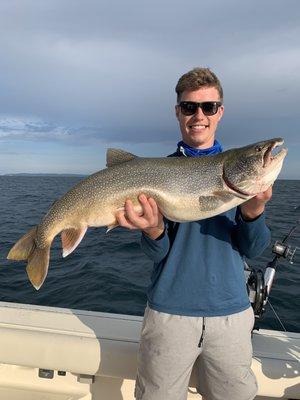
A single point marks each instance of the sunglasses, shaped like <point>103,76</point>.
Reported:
<point>208,107</point>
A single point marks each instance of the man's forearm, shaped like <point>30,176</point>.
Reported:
<point>251,237</point>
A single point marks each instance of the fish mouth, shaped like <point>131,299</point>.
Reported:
<point>270,157</point>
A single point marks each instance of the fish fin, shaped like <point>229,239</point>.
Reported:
<point>111,226</point>
<point>114,224</point>
<point>37,267</point>
<point>117,156</point>
<point>38,259</point>
<point>224,196</point>
<point>214,201</point>
<point>70,239</point>
<point>24,246</point>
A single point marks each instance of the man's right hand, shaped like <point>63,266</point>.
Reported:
<point>151,221</point>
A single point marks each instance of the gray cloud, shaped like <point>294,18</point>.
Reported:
<point>31,129</point>
<point>107,70</point>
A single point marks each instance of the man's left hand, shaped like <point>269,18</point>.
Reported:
<point>254,207</point>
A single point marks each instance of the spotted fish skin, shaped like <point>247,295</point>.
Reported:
<point>185,189</point>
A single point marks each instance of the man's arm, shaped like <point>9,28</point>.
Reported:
<point>251,234</point>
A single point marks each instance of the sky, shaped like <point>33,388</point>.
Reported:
<point>78,77</point>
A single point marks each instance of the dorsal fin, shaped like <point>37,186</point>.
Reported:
<point>117,156</point>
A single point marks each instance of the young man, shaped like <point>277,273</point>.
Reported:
<point>198,308</point>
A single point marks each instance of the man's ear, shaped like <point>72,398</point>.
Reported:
<point>177,111</point>
<point>221,112</point>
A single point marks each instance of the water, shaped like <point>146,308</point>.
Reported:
<point>109,272</point>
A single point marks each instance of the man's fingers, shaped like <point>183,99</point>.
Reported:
<point>147,208</point>
<point>153,205</point>
<point>132,216</point>
<point>122,220</point>
<point>266,195</point>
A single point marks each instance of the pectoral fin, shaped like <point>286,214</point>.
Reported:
<point>70,239</point>
<point>214,201</point>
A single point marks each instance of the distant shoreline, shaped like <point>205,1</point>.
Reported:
<point>42,174</point>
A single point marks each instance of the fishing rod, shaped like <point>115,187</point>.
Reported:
<point>259,283</point>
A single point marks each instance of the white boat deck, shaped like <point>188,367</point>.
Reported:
<point>60,354</point>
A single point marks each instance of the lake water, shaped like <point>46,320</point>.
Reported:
<point>109,272</point>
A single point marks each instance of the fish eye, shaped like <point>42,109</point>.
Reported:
<point>258,148</point>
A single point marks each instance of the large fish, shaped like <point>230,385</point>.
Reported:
<point>185,189</point>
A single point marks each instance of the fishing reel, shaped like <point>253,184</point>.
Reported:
<point>259,283</point>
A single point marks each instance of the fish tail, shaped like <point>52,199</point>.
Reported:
<point>37,266</point>
<point>24,246</point>
<point>38,258</point>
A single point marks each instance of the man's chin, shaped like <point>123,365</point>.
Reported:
<point>199,142</point>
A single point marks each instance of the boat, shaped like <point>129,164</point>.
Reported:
<point>51,353</point>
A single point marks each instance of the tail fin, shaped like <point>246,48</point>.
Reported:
<point>24,246</point>
<point>37,267</point>
<point>38,258</point>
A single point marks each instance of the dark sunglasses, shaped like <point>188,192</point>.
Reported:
<point>208,107</point>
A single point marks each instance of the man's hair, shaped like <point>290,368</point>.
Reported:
<point>198,78</point>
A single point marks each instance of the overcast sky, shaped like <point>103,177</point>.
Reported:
<point>77,77</point>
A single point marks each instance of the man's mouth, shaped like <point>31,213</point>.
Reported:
<point>197,127</point>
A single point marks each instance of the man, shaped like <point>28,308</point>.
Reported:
<point>198,308</point>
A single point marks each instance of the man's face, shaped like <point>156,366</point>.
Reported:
<point>198,130</point>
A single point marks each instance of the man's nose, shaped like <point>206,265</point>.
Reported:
<point>199,113</point>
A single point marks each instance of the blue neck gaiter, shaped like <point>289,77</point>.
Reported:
<point>188,151</point>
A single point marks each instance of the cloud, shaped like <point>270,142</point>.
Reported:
<point>85,73</point>
<point>36,130</point>
<point>30,129</point>
<point>114,66</point>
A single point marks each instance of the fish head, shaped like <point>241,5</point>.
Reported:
<point>252,169</point>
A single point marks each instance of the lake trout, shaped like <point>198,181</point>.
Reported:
<point>185,189</point>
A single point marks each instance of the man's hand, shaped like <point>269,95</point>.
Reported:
<point>151,221</point>
<point>254,207</point>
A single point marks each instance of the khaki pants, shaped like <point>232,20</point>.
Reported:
<point>171,344</point>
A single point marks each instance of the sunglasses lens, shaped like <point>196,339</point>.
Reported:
<point>188,107</point>
<point>209,108</point>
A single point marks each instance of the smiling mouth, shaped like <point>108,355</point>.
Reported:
<point>197,127</point>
